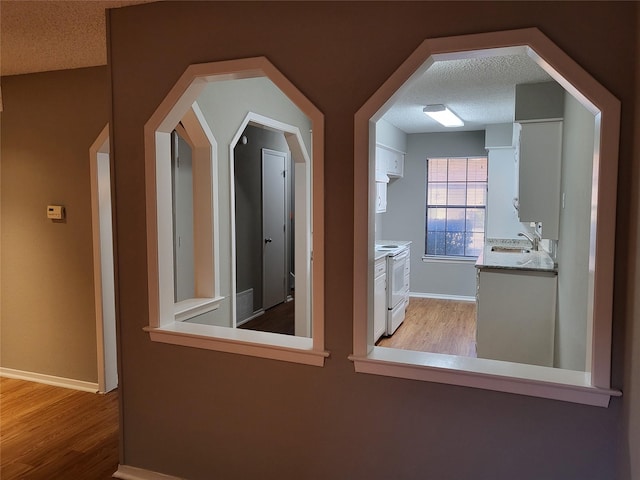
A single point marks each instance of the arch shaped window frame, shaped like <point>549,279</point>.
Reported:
<point>165,316</point>
<point>592,387</point>
<point>302,177</point>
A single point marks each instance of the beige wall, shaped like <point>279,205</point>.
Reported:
<point>203,414</point>
<point>48,124</point>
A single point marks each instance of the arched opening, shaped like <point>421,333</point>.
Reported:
<point>298,271</point>
<point>224,93</point>
<point>590,384</point>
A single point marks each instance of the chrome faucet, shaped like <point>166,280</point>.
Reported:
<point>535,241</point>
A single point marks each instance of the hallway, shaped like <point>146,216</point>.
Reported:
<point>50,432</point>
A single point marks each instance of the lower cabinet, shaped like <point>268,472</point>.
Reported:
<point>380,298</point>
<point>516,313</point>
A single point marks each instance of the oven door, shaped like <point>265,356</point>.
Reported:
<point>395,317</point>
<point>396,273</point>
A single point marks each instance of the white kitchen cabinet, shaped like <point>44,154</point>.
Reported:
<point>390,161</point>
<point>381,197</point>
<point>539,163</point>
<point>516,313</point>
<point>380,298</point>
<point>395,164</point>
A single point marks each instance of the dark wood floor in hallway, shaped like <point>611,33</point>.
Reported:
<point>279,319</point>
<point>53,433</point>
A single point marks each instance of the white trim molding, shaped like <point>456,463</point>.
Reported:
<point>166,319</point>
<point>103,262</point>
<point>591,387</point>
<point>443,296</point>
<point>53,380</point>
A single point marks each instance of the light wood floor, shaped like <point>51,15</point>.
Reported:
<point>437,326</point>
<point>56,433</point>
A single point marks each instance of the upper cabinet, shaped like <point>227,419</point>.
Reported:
<point>539,111</point>
<point>539,163</point>
<point>389,161</point>
<point>389,165</point>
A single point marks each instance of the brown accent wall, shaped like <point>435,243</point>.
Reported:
<point>49,122</point>
<point>629,464</point>
<point>201,414</point>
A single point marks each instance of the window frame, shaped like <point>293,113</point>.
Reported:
<point>449,205</point>
<point>592,387</point>
<point>166,323</point>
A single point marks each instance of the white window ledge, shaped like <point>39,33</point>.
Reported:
<point>532,380</point>
<point>193,307</point>
<point>443,259</point>
<point>275,346</point>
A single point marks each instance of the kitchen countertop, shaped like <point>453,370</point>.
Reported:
<point>383,252</point>
<point>378,254</point>
<point>537,261</point>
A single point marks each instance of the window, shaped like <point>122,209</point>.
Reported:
<point>456,203</point>
<point>590,387</point>
<point>193,297</point>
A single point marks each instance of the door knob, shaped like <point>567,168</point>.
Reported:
<point>267,240</point>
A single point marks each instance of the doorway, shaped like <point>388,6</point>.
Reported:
<point>274,227</point>
<point>264,232</point>
<point>103,269</point>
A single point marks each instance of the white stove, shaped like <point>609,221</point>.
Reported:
<point>398,271</point>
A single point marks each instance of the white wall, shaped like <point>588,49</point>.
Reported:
<point>390,136</point>
<point>573,244</point>
<point>225,105</point>
<point>406,210</point>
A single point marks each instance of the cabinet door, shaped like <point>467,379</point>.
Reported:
<point>539,175</point>
<point>516,316</point>
<point>395,164</point>
<point>379,306</point>
<point>391,162</point>
<point>381,197</point>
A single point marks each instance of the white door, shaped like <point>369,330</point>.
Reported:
<point>274,227</point>
<point>183,251</point>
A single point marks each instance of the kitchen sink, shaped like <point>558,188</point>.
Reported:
<point>501,249</point>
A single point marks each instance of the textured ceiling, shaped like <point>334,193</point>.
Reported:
<point>38,36</point>
<point>479,90</point>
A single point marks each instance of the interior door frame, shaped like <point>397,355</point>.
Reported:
<point>303,238</point>
<point>104,290</point>
<point>286,232</point>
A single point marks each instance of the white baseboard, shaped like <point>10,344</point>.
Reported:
<point>441,296</point>
<point>49,380</point>
<point>254,315</point>
<point>126,472</point>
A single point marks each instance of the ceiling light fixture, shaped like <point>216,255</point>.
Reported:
<point>442,115</point>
